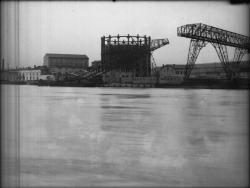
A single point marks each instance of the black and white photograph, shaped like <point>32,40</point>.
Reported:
<point>124,93</point>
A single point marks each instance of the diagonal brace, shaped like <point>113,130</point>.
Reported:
<point>194,50</point>
<point>223,56</point>
<point>238,54</point>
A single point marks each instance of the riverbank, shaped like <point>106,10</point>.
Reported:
<point>210,84</point>
<point>188,84</point>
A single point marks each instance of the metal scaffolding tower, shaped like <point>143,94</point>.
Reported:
<point>201,34</point>
<point>129,53</point>
<point>126,53</point>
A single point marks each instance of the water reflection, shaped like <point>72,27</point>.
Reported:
<point>145,137</point>
<point>126,129</point>
<point>126,96</point>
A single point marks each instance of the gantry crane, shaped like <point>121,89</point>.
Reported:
<point>201,34</point>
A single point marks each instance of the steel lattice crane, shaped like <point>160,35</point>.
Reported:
<point>156,44</point>
<point>201,34</point>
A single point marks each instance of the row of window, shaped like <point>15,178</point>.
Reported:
<point>170,78</point>
<point>67,65</point>
<point>142,78</point>
<point>30,74</point>
<point>125,76</point>
<point>31,78</point>
<point>173,72</point>
<point>67,62</point>
<point>179,72</point>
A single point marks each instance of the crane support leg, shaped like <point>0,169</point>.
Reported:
<point>153,64</point>
<point>194,50</point>
<point>223,56</point>
<point>238,54</point>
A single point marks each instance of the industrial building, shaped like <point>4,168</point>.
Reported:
<point>63,63</point>
<point>21,75</point>
<point>26,75</point>
<point>96,66</point>
<point>174,74</point>
<point>127,59</point>
<point>96,63</point>
<point>171,74</point>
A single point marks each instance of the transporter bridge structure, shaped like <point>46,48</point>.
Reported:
<point>201,34</point>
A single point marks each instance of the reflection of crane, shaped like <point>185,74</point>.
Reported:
<point>201,34</point>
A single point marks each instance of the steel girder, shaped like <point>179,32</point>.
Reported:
<point>219,38</point>
<point>153,64</point>
<point>158,43</point>
<point>212,34</point>
<point>194,50</point>
<point>238,54</point>
<point>223,56</point>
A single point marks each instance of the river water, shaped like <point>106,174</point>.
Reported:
<point>132,137</point>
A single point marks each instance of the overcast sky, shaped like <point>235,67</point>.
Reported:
<point>76,27</point>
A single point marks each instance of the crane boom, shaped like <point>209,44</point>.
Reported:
<point>158,43</point>
<point>212,34</point>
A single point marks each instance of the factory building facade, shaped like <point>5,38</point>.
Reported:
<point>19,75</point>
<point>26,75</point>
<point>172,73</point>
<point>65,63</point>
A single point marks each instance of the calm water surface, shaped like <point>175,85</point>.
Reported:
<point>144,137</point>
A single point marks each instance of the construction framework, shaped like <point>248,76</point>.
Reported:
<point>201,34</point>
<point>126,53</point>
<point>129,53</point>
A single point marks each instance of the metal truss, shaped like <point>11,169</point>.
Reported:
<point>126,40</point>
<point>238,54</point>
<point>223,56</point>
<point>135,40</point>
<point>219,38</point>
<point>194,50</point>
<point>129,52</point>
<point>212,34</point>
<point>158,43</point>
<point>153,65</point>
